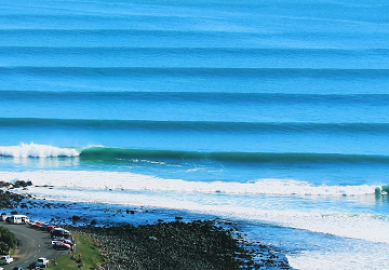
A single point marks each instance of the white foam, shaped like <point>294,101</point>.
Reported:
<point>36,151</point>
<point>141,190</point>
<point>102,180</point>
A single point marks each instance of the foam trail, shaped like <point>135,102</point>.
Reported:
<point>356,226</point>
<point>36,151</point>
<point>102,180</point>
<point>126,188</point>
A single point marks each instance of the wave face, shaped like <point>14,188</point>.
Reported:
<point>103,153</point>
<point>266,114</point>
<point>116,153</point>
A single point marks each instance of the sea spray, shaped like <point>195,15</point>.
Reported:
<point>36,151</point>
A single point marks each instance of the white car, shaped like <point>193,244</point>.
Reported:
<point>6,259</point>
<point>39,264</point>
<point>43,262</point>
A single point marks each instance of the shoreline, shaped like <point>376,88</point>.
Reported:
<point>195,243</point>
<point>179,245</point>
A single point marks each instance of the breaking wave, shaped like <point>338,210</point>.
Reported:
<point>33,150</point>
<point>36,151</point>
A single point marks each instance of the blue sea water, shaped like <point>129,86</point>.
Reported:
<point>273,114</point>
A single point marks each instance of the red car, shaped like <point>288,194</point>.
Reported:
<point>50,228</point>
<point>36,223</point>
<point>60,245</point>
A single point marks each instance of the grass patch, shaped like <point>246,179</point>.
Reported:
<point>91,257</point>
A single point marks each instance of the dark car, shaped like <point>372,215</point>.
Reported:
<point>43,227</point>
<point>57,232</point>
<point>35,265</point>
<point>18,268</point>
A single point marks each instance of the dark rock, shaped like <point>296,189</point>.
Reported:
<point>4,184</point>
<point>177,245</point>
<point>20,183</point>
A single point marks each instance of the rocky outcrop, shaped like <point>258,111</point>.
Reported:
<point>10,199</point>
<point>179,245</point>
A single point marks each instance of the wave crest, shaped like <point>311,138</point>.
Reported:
<point>36,151</point>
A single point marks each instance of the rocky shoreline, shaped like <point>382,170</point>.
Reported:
<point>178,245</point>
<point>9,199</point>
<point>199,244</point>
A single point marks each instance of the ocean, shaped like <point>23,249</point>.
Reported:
<point>271,114</point>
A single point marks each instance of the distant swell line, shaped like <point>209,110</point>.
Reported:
<point>254,157</point>
<point>211,97</point>
<point>98,50</point>
<point>200,126</point>
<point>118,32</point>
<point>196,72</point>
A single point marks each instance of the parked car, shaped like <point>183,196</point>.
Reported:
<point>34,265</point>
<point>36,223</point>
<point>40,263</point>
<point>3,216</point>
<point>60,245</point>
<point>63,240</point>
<point>18,268</point>
<point>43,227</point>
<point>59,232</point>
<point>44,262</point>
<point>6,259</point>
<point>50,228</point>
<point>19,219</point>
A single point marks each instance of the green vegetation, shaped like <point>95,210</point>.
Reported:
<point>91,256</point>
<point>7,240</point>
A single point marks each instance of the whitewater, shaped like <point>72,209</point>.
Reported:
<point>272,116</point>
